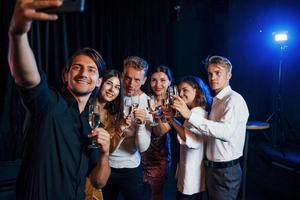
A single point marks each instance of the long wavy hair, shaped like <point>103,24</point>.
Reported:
<point>114,107</point>
<point>203,97</point>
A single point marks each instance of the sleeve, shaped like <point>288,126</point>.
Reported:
<point>192,139</point>
<point>224,128</point>
<point>142,138</point>
<point>36,99</point>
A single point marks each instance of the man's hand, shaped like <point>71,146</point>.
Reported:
<point>125,123</point>
<point>26,11</point>
<point>140,114</point>
<point>102,137</point>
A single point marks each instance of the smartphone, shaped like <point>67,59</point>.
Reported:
<point>66,7</point>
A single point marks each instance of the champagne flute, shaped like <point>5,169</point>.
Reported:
<point>165,107</point>
<point>153,109</point>
<point>135,100</point>
<point>173,90</point>
<point>94,121</point>
<point>127,110</point>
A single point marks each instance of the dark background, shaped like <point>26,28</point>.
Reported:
<point>238,29</point>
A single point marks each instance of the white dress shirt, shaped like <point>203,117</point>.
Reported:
<point>138,138</point>
<point>190,171</point>
<point>226,126</point>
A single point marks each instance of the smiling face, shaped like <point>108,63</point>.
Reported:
<point>218,77</point>
<point>187,93</point>
<point>133,79</point>
<point>159,83</point>
<point>110,89</point>
<point>82,76</point>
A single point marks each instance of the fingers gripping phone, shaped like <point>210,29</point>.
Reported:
<point>67,6</point>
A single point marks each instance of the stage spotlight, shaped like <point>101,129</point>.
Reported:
<point>280,36</point>
<point>279,121</point>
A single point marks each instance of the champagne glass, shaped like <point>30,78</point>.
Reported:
<point>127,110</point>
<point>135,100</point>
<point>165,107</point>
<point>153,109</point>
<point>94,121</point>
<point>173,90</point>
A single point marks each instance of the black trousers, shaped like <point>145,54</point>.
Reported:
<point>125,181</point>
<point>197,196</point>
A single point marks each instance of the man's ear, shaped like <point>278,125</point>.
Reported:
<point>98,83</point>
<point>65,76</point>
<point>144,80</point>
<point>229,75</point>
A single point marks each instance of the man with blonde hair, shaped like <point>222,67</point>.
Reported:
<point>226,129</point>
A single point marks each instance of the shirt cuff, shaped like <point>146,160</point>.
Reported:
<point>141,125</point>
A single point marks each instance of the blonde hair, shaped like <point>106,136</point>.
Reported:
<point>220,60</point>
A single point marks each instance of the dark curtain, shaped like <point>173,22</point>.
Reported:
<point>116,29</point>
<point>181,38</point>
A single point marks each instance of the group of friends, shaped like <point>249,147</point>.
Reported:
<point>57,163</point>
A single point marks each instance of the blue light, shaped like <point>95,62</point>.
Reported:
<point>280,36</point>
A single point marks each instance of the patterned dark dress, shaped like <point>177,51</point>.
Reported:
<point>156,160</point>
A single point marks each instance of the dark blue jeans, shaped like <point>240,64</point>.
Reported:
<point>125,181</point>
<point>224,183</point>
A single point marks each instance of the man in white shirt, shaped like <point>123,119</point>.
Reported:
<point>126,174</point>
<point>226,128</point>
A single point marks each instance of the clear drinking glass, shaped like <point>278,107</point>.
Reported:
<point>173,90</point>
<point>165,107</point>
<point>135,100</point>
<point>152,109</point>
<point>94,121</point>
<point>127,107</point>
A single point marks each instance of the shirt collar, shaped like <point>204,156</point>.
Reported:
<point>70,99</point>
<point>72,102</point>
<point>223,93</point>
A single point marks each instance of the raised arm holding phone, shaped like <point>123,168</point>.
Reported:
<point>56,160</point>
